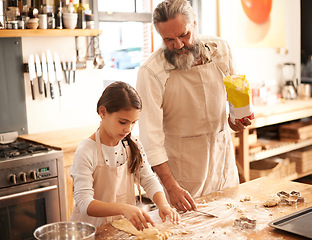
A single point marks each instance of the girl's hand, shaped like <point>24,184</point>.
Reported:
<point>165,210</point>
<point>138,217</point>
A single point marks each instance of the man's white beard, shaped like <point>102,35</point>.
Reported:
<point>183,61</point>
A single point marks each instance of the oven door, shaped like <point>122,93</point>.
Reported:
<point>24,208</point>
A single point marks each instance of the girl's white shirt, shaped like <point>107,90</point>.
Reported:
<point>85,162</point>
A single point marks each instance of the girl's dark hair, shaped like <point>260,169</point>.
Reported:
<point>122,96</point>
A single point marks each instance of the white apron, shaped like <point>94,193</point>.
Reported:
<point>198,140</point>
<point>111,184</point>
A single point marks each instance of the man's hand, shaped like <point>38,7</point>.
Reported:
<point>239,125</point>
<point>181,199</point>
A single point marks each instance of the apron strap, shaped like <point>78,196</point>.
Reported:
<point>98,146</point>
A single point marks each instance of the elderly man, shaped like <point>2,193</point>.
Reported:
<point>184,125</point>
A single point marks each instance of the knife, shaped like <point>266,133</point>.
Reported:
<point>64,64</point>
<point>207,214</point>
<point>32,73</point>
<point>74,67</point>
<point>39,73</point>
<point>44,73</point>
<point>58,70</point>
<point>51,72</point>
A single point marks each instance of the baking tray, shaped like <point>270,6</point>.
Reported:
<point>299,223</point>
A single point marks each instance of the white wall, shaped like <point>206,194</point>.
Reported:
<point>263,65</point>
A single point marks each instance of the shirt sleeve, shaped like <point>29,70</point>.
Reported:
<point>151,117</point>
<point>148,179</point>
<point>81,172</point>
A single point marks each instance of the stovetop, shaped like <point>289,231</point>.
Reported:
<point>20,148</point>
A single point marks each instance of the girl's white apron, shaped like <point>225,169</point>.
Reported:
<point>111,184</point>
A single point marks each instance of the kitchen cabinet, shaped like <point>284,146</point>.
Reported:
<point>49,32</point>
<point>270,115</point>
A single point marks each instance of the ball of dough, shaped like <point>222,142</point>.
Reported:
<point>272,201</point>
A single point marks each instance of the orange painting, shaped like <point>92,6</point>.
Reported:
<point>252,23</point>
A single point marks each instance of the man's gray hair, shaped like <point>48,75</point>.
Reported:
<point>169,9</point>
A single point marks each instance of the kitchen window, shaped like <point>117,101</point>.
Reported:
<point>126,40</point>
<point>128,35</point>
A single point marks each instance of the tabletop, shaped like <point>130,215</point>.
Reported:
<point>229,204</point>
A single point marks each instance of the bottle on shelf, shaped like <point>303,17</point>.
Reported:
<point>25,16</point>
<point>59,16</point>
<point>43,18</point>
<point>81,16</point>
<point>12,10</point>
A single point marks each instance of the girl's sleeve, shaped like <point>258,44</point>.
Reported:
<point>148,179</point>
<point>81,172</point>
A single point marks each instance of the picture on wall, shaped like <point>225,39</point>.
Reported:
<point>253,23</point>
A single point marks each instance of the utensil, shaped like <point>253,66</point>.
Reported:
<point>66,231</point>
<point>66,71</point>
<point>304,91</point>
<point>207,214</point>
<point>32,74</point>
<point>58,70</point>
<point>44,73</point>
<point>51,72</point>
<point>39,73</point>
<point>74,68</point>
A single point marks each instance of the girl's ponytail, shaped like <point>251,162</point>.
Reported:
<point>136,158</point>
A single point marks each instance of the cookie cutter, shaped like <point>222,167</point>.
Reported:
<point>245,223</point>
<point>291,198</point>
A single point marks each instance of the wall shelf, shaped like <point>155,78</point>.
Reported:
<point>266,116</point>
<point>49,32</point>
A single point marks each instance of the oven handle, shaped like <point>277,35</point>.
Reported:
<point>37,190</point>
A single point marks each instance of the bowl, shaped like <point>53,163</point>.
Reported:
<point>32,23</point>
<point>70,20</point>
<point>66,231</point>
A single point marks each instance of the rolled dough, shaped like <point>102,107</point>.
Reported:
<point>150,233</point>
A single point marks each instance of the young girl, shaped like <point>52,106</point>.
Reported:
<point>108,164</point>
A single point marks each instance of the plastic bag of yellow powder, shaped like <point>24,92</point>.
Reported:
<point>239,97</point>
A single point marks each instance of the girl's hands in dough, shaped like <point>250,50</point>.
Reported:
<point>166,210</point>
<point>138,217</point>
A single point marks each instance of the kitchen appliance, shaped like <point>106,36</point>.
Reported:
<point>304,91</point>
<point>32,187</point>
<point>289,74</point>
<point>66,231</point>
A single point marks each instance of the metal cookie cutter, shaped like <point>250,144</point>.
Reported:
<point>290,198</point>
<point>245,223</point>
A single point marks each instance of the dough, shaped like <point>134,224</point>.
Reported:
<point>272,201</point>
<point>150,233</point>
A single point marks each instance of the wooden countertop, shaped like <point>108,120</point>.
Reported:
<point>66,140</point>
<point>282,112</point>
<point>228,205</point>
